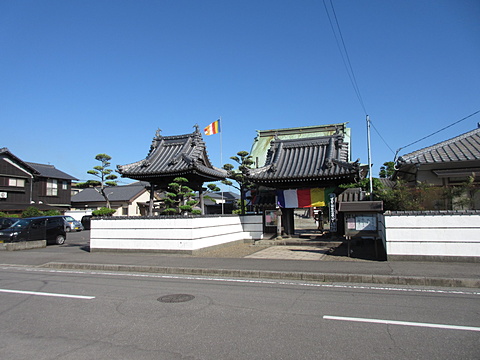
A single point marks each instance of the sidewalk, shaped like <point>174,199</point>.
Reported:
<point>253,261</point>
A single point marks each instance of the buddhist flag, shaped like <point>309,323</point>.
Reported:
<point>213,128</point>
<point>301,198</point>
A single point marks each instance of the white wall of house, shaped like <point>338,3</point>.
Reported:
<point>133,209</point>
<point>448,235</point>
<point>174,234</point>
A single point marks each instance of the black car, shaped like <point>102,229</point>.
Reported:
<point>50,228</point>
<point>7,222</point>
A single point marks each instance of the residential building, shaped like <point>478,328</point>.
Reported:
<point>24,184</point>
<point>446,164</point>
<point>127,200</point>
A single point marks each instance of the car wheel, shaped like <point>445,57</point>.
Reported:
<point>67,229</point>
<point>60,240</point>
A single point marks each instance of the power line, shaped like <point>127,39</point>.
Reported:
<point>348,66</point>
<point>381,137</point>
<point>436,132</point>
<point>344,53</point>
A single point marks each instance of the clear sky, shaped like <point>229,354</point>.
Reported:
<point>78,78</point>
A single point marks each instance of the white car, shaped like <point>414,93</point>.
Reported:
<point>71,224</point>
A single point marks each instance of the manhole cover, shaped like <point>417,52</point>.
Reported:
<point>176,298</point>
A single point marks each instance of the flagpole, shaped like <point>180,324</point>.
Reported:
<point>221,155</point>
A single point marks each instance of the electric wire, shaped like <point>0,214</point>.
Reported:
<point>436,132</point>
<point>344,53</point>
<point>347,63</point>
<point>381,137</point>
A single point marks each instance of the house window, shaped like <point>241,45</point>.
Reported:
<point>64,185</point>
<point>16,182</point>
<point>52,187</point>
<point>124,210</point>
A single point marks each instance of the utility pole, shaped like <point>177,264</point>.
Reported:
<point>369,158</point>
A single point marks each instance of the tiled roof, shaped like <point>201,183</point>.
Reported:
<point>317,158</point>
<point>464,147</point>
<point>114,193</point>
<point>263,139</point>
<point>227,195</point>
<point>174,156</point>
<point>49,171</point>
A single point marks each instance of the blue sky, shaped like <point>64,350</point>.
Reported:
<point>78,78</point>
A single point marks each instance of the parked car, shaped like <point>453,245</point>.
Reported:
<point>72,224</point>
<point>50,228</point>
<point>86,221</point>
<point>7,222</point>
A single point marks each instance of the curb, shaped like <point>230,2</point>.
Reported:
<point>277,275</point>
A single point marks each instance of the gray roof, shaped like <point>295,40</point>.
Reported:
<point>171,156</point>
<point>49,171</point>
<point>227,195</point>
<point>317,158</point>
<point>465,147</point>
<point>114,193</point>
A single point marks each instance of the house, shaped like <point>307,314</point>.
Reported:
<point>218,202</point>
<point>446,164</point>
<point>24,184</point>
<point>127,200</point>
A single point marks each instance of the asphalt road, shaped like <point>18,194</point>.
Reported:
<point>53,314</point>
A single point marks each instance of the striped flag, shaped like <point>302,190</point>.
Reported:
<point>301,198</point>
<point>213,128</point>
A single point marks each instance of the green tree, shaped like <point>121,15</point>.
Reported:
<point>211,188</point>
<point>364,184</point>
<point>179,198</point>
<point>52,213</point>
<point>240,175</point>
<point>462,196</point>
<point>104,173</point>
<point>31,211</point>
<point>387,170</point>
<point>103,211</point>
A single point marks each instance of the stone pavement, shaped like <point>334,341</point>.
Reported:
<point>292,252</point>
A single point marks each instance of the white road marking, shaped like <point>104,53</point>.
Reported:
<point>403,323</point>
<point>47,294</point>
<point>253,281</point>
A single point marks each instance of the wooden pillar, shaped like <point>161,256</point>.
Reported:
<point>288,221</point>
<point>202,203</point>
<point>152,196</point>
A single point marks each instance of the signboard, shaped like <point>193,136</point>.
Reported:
<point>360,223</point>
<point>366,223</point>
<point>333,212</point>
<point>270,217</point>
<point>3,195</point>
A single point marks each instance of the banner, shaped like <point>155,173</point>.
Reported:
<point>213,128</point>
<point>301,198</point>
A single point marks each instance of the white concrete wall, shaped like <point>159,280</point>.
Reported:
<point>78,214</point>
<point>172,233</point>
<point>440,234</point>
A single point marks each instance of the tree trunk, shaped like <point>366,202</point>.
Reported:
<point>242,200</point>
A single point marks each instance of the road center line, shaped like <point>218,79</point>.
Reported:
<point>404,323</point>
<point>47,294</point>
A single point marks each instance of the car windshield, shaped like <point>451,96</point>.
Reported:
<point>69,218</point>
<point>21,223</point>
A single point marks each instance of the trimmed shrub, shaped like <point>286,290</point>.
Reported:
<point>104,211</point>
